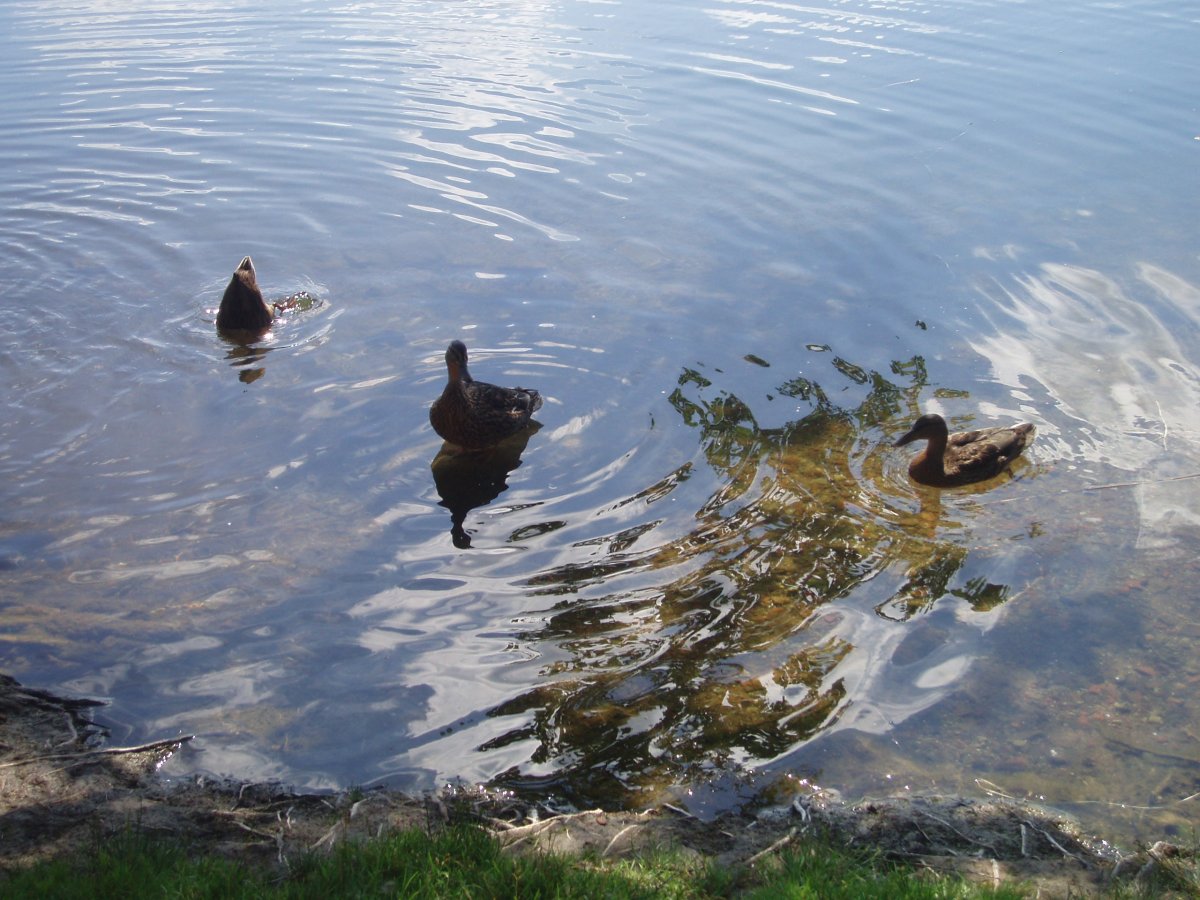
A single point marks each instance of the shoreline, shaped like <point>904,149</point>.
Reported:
<point>61,786</point>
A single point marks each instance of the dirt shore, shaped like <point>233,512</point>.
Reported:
<point>62,787</point>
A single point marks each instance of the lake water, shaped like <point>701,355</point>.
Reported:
<point>738,246</point>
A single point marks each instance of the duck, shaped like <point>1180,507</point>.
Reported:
<point>964,457</point>
<point>475,415</point>
<point>243,307</point>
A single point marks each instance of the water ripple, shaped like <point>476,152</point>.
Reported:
<point>738,247</point>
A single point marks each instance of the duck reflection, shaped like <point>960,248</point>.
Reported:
<point>468,479</point>
<point>246,357</point>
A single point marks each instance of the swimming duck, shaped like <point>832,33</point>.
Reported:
<point>243,307</point>
<point>475,415</point>
<point>964,457</point>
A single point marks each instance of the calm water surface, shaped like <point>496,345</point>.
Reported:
<point>738,246</point>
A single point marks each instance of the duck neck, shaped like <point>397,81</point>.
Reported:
<point>935,451</point>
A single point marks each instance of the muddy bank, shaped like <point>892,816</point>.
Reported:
<point>62,787</point>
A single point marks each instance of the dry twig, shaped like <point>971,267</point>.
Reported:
<point>966,838</point>
<point>618,836</point>
<point>782,842</point>
<point>1061,849</point>
<point>153,747</point>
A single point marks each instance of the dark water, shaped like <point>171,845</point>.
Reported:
<point>737,247</point>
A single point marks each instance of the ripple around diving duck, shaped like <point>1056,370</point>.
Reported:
<point>293,321</point>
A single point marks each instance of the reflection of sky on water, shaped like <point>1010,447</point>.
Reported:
<point>779,202</point>
<point>1118,362</point>
<point>764,592</point>
<point>248,103</point>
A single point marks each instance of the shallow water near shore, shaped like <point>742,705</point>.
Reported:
<point>738,248</point>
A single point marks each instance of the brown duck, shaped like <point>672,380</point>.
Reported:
<point>243,307</point>
<point>475,415</point>
<point>964,457</point>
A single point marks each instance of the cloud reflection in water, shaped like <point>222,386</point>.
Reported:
<point>1116,360</point>
<point>781,613</point>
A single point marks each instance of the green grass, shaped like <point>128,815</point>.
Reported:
<point>463,862</point>
<point>817,870</point>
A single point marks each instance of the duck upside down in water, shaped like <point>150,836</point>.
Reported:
<point>243,307</point>
<point>964,457</point>
<point>475,415</point>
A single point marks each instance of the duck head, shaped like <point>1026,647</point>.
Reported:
<point>456,361</point>
<point>929,427</point>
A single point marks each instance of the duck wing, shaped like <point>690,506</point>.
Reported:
<point>988,449</point>
<point>493,400</point>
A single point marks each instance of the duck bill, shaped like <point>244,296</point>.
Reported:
<point>907,439</point>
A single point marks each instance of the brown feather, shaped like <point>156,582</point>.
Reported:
<point>474,414</point>
<point>964,457</point>
<point>242,305</point>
